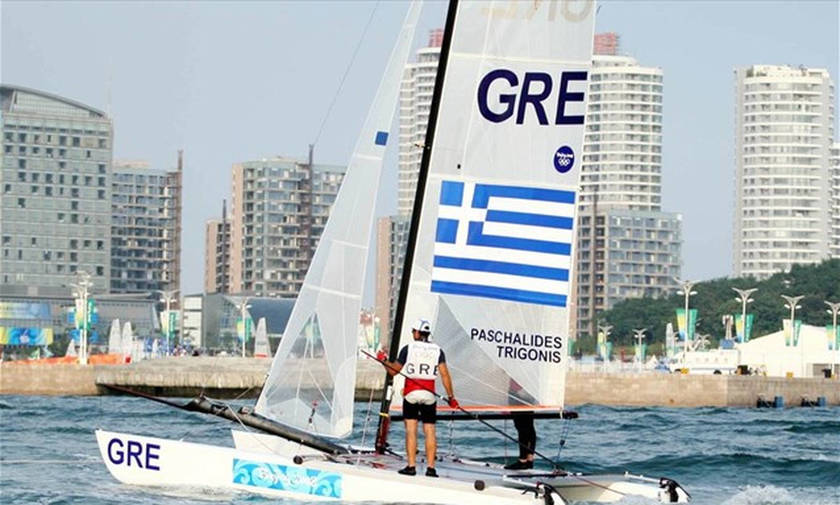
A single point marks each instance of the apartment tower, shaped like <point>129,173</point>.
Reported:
<point>784,126</point>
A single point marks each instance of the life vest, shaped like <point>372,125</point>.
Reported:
<point>421,370</point>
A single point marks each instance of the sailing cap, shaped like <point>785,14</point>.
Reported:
<point>422,326</point>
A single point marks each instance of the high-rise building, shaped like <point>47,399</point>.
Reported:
<point>55,210</point>
<point>627,247</point>
<point>416,91</point>
<point>391,239</point>
<point>835,171</point>
<point>784,126</point>
<point>278,211</point>
<point>217,254</point>
<point>145,227</point>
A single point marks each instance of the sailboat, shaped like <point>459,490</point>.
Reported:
<point>488,261</point>
<point>261,345</point>
<point>115,338</point>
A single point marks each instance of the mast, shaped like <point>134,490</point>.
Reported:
<point>384,419</point>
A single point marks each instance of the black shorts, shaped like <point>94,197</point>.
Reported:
<point>420,411</point>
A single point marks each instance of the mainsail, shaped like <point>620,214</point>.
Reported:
<point>261,345</point>
<point>493,243</point>
<point>312,378</point>
<point>115,338</point>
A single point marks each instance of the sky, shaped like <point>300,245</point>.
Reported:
<point>228,82</point>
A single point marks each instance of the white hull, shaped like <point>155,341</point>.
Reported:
<point>265,465</point>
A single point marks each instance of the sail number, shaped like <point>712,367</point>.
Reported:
<point>134,453</point>
<point>536,88</point>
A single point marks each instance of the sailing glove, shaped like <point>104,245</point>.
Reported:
<point>453,403</point>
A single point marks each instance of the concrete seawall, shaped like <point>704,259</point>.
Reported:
<point>231,377</point>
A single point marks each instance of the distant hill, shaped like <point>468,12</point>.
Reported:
<point>715,298</point>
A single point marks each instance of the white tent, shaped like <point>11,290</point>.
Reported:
<point>808,359</point>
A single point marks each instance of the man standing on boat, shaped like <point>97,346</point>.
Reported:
<point>420,362</point>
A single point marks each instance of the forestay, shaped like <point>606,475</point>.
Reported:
<point>493,257</point>
<point>313,375</point>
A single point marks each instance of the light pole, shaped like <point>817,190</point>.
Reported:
<point>168,297</point>
<point>686,290</point>
<point>792,305</point>
<point>243,308</point>
<point>606,329</point>
<point>834,308</point>
<point>744,298</point>
<point>640,334</point>
<point>82,292</point>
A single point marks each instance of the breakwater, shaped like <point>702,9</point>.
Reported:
<point>234,377</point>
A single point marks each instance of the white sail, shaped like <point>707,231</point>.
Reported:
<point>261,346</point>
<point>493,256</point>
<point>71,349</point>
<point>127,339</point>
<point>114,338</point>
<point>312,378</point>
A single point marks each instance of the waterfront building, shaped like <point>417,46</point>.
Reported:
<point>217,254</point>
<point>145,227</point>
<point>627,246</point>
<point>191,314</point>
<point>31,315</point>
<point>784,126</point>
<point>278,211</point>
<point>55,184</point>
<point>220,314</point>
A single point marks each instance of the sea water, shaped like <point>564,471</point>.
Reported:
<point>48,452</point>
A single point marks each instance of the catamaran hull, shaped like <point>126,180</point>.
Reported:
<point>149,461</point>
<point>604,488</point>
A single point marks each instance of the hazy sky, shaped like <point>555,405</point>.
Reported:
<point>229,82</point>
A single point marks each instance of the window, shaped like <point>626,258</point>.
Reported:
<point>34,190</point>
<point>22,176</point>
<point>21,163</point>
<point>61,178</point>
<point>100,194</point>
<point>48,190</point>
<point>86,244</point>
<point>77,141</point>
<point>101,168</point>
<point>21,137</point>
<point>33,241</point>
<point>60,217</point>
<point>74,243</point>
<point>74,205</point>
<point>74,192</point>
<point>35,176</point>
<point>74,256</point>
<point>100,270</point>
<point>87,153</point>
<point>8,149</point>
<point>74,218</point>
<point>48,178</point>
<point>62,140</point>
<point>74,180</point>
<point>7,188</point>
<point>22,203</point>
<point>102,143</point>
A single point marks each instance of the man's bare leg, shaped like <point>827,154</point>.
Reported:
<point>431,443</point>
<point>411,440</point>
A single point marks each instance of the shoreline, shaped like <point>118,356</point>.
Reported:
<point>244,377</point>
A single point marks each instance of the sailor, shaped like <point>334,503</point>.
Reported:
<point>421,362</point>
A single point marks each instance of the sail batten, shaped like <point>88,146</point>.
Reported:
<point>312,379</point>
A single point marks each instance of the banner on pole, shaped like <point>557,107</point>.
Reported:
<point>832,334</point>
<point>681,323</point>
<point>791,337</point>
<point>742,334</point>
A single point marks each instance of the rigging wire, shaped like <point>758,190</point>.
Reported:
<point>346,72</point>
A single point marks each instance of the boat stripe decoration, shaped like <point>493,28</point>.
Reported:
<point>509,243</point>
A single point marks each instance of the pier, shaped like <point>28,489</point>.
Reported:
<point>244,377</point>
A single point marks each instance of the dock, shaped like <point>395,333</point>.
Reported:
<point>243,378</point>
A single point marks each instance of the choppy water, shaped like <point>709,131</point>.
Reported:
<point>48,453</point>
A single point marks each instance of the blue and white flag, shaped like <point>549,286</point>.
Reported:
<point>504,242</point>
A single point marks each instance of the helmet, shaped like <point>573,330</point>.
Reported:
<point>422,326</point>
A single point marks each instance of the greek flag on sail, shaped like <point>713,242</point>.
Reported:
<point>504,242</point>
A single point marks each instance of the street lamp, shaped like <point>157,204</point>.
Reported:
<point>791,304</point>
<point>686,290</point>
<point>640,334</point>
<point>744,298</point>
<point>243,308</point>
<point>168,297</point>
<point>834,308</point>
<point>82,292</point>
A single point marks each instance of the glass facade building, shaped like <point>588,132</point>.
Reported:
<point>55,183</point>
